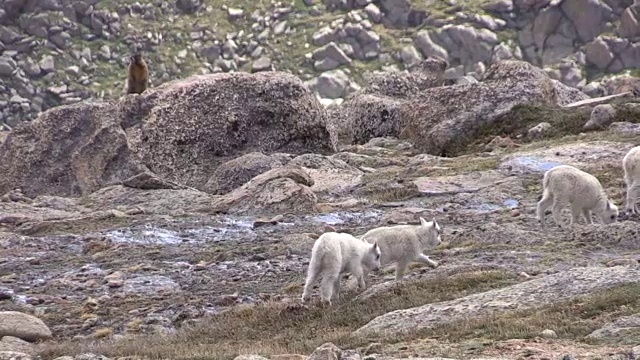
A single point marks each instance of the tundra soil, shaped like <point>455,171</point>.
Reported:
<point>129,275</point>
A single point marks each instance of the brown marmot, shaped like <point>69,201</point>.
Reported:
<point>138,77</point>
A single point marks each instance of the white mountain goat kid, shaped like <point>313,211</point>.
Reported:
<point>566,185</point>
<point>631,166</point>
<point>334,254</point>
<point>403,244</point>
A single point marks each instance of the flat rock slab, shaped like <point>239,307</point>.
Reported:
<point>582,155</point>
<point>546,290</point>
<point>450,185</point>
<point>618,327</point>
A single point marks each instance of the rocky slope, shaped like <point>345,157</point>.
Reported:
<point>62,51</point>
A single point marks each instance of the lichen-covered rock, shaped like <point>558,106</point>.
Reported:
<point>544,290</point>
<point>440,120</point>
<point>332,177</point>
<point>69,151</point>
<point>237,172</point>
<point>566,95</point>
<point>368,116</point>
<point>199,122</point>
<point>280,190</point>
<point>427,74</point>
<point>23,326</point>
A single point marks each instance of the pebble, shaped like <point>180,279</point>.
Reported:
<point>549,334</point>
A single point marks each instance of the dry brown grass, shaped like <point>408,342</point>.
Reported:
<point>570,320</point>
<point>276,328</point>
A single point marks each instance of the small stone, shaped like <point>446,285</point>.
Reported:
<point>601,116</point>
<point>539,130</point>
<point>262,64</point>
<point>549,334</point>
<point>115,280</point>
<point>235,13</point>
<point>515,213</point>
<point>524,275</point>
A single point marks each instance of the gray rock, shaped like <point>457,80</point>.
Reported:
<point>14,355</point>
<point>332,84</point>
<point>619,326</point>
<point>329,57</point>
<point>234,13</point>
<point>434,116</point>
<point>373,12</point>
<point>262,64</point>
<point>428,47</point>
<point>501,51</point>
<point>635,353</point>
<point>280,27</point>
<point>327,351</point>
<point>7,66</point>
<point>630,56</point>
<point>598,53</point>
<point>465,80</point>
<point>549,334</point>
<point>23,326</point>
<point>545,290</point>
<point>566,95</point>
<point>188,6</point>
<point>283,189</point>
<point>628,26</point>
<point>410,56</point>
<point>601,116</point>
<point>11,343</point>
<point>538,131</point>
<point>229,49</point>
<point>61,40</point>
<point>594,89</point>
<point>471,45</point>
<point>324,36</point>
<point>104,53</point>
<point>588,16</point>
